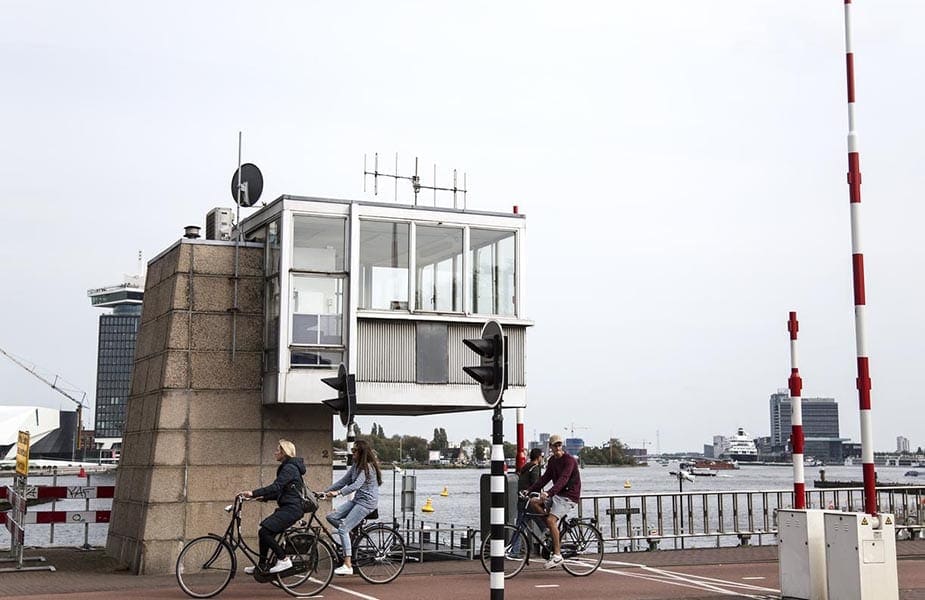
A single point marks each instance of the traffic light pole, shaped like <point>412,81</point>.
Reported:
<point>497,504</point>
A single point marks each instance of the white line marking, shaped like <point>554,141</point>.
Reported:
<point>548,585</point>
<point>750,578</point>
<point>345,590</point>
<point>693,581</point>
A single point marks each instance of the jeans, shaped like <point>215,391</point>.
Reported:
<point>347,516</point>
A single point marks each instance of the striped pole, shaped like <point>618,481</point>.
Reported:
<point>497,504</point>
<point>796,416</point>
<point>857,263</point>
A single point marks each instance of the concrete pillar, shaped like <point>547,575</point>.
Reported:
<point>195,429</point>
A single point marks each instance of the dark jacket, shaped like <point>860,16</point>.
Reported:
<point>528,476</point>
<point>285,489</point>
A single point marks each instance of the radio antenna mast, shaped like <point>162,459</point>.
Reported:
<point>415,180</point>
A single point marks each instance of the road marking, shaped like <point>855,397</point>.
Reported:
<point>349,591</point>
<point>750,578</point>
<point>694,581</point>
<point>547,585</point>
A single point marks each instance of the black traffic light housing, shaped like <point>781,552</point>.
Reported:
<point>346,402</point>
<point>491,373</point>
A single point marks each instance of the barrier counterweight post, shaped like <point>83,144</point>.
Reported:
<point>796,417</point>
<point>497,504</point>
<point>857,266</point>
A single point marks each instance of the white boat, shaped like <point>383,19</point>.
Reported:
<point>740,447</point>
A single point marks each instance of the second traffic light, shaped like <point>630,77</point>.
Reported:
<point>346,402</point>
<point>490,372</point>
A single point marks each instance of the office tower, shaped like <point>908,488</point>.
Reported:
<point>820,426</point>
<point>116,354</point>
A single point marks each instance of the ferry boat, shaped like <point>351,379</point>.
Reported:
<point>740,447</point>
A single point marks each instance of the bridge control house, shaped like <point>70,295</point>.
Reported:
<point>235,339</point>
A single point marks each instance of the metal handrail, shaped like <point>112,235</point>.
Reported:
<point>733,517</point>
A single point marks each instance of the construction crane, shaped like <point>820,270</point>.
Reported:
<point>571,428</point>
<point>55,385</point>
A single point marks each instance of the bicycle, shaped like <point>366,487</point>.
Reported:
<point>378,550</point>
<point>207,564</point>
<point>581,544</point>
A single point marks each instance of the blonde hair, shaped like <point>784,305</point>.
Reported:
<point>287,447</point>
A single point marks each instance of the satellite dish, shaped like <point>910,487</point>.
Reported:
<point>251,185</point>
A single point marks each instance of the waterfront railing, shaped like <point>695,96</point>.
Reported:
<point>632,522</point>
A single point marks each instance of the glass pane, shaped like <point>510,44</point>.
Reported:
<point>492,276</point>
<point>317,310</point>
<point>318,243</point>
<point>302,357</point>
<point>383,265</point>
<point>272,247</point>
<point>438,260</point>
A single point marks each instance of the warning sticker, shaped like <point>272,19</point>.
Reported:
<point>864,521</point>
<point>889,521</point>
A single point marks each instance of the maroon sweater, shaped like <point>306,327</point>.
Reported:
<point>559,471</point>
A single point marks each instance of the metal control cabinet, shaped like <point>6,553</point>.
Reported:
<point>801,550</point>
<point>861,558</point>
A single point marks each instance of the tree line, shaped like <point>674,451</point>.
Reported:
<point>415,449</point>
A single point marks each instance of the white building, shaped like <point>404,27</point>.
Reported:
<point>902,444</point>
<point>391,291</point>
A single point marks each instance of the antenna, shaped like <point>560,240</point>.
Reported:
<point>415,180</point>
<point>246,187</point>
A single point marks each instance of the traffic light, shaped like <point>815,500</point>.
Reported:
<point>346,402</point>
<point>490,373</point>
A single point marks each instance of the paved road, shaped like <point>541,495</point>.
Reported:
<point>690,574</point>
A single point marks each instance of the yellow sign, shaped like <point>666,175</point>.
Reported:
<point>22,453</point>
<point>889,521</point>
<point>864,521</point>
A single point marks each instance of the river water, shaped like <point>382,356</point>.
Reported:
<point>461,505</point>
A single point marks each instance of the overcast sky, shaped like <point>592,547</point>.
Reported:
<point>681,165</point>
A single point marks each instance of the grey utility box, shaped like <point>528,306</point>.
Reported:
<point>510,501</point>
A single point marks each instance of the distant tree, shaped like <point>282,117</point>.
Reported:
<point>612,453</point>
<point>480,448</point>
<point>440,440</point>
<point>510,450</point>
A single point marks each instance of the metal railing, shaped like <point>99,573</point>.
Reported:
<point>698,519</point>
<point>447,539</point>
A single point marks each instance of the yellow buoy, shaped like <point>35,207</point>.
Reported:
<point>428,506</point>
<point>627,484</point>
<point>445,492</point>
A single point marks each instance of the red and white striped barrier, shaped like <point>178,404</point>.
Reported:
<point>796,416</point>
<point>60,516</point>
<point>61,492</point>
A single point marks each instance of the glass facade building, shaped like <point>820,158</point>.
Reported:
<point>820,426</point>
<point>118,333</point>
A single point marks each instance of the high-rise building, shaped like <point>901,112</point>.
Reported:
<point>116,354</point>
<point>902,444</point>
<point>820,426</point>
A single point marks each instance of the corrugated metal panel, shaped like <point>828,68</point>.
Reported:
<point>386,351</point>
<point>460,356</point>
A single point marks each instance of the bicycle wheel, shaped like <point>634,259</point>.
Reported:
<point>380,554</point>
<point>312,565</point>
<point>205,566</point>
<point>582,548</point>
<point>512,564</point>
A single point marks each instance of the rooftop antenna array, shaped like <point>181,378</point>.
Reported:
<point>246,187</point>
<point>415,180</point>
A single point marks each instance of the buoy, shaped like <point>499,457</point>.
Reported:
<point>445,492</point>
<point>627,484</point>
<point>428,506</point>
<point>82,472</point>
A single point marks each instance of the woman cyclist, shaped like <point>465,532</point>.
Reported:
<point>363,477</point>
<point>285,490</point>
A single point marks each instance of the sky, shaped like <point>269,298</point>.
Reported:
<point>682,168</point>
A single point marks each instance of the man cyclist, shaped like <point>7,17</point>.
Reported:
<point>561,498</point>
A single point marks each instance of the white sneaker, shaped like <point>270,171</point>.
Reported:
<point>252,569</point>
<point>343,570</point>
<point>554,561</point>
<point>285,563</point>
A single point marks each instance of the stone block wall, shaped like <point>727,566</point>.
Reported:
<point>196,431</point>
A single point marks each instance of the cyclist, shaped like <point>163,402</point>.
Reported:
<point>529,474</point>
<point>561,498</point>
<point>285,490</point>
<point>363,477</point>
